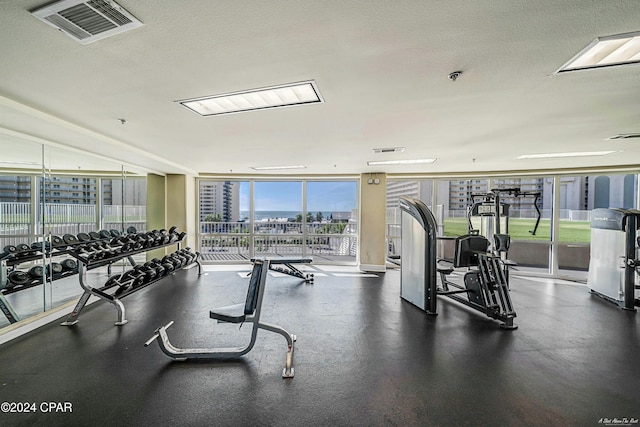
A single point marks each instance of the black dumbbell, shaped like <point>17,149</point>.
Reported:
<point>9,251</point>
<point>131,230</point>
<point>104,234</point>
<point>36,272</point>
<point>69,264</point>
<point>57,242</point>
<point>18,278</point>
<point>168,267</point>
<point>83,237</point>
<point>56,267</point>
<point>112,281</point>
<point>114,232</point>
<point>94,235</point>
<point>177,262</point>
<point>70,239</point>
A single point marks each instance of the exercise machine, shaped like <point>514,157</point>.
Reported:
<point>238,314</point>
<point>485,286</point>
<point>493,213</point>
<point>614,256</point>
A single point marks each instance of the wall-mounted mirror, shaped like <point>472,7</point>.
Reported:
<point>50,195</point>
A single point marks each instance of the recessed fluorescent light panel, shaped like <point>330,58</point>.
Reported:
<point>270,168</point>
<point>256,99</point>
<point>400,162</point>
<point>606,51</point>
<point>555,155</point>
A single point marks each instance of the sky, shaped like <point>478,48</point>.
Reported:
<point>325,196</point>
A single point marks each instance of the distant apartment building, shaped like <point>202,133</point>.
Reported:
<point>577,193</point>
<point>15,189</point>
<point>220,200</point>
<point>74,190</point>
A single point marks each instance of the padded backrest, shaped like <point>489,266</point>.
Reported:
<point>254,287</point>
<point>466,250</point>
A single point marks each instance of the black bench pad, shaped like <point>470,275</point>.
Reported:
<point>230,313</point>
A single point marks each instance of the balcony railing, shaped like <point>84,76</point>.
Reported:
<point>219,241</point>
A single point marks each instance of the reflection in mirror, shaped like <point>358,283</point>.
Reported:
<point>20,167</point>
<point>48,193</point>
<point>73,209</point>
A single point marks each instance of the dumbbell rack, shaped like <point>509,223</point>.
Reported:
<point>84,264</point>
<point>25,256</point>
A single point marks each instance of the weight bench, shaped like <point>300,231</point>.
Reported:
<point>289,268</point>
<point>238,313</point>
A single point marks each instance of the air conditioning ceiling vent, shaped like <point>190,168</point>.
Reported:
<point>388,150</point>
<point>87,21</point>
<point>625,136</point>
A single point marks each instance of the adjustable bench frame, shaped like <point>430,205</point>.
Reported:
<point>289,268</point>
<point>238,313</point>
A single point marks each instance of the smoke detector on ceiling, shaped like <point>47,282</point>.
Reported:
<point>87,20</point>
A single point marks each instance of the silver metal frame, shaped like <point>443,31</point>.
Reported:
<point>231,352</point>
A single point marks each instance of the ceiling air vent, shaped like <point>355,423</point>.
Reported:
<point>388,150</point>
<point>625,136</point>
<point>87,20</point>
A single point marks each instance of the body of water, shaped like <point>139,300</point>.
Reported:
<point>280,214</point>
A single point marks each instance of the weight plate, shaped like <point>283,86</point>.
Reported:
<point>56,241</point>
<point>9,249</point>
<point>84,237</point>
<point>23,247</point>
<point>104,234</point>
<point>114,232</point>
<point>18,278</point>
<point>70,239</point>
<point>69,264</point>
<point>36,272</point>
<point>131,230</point>
<point>94,235</point>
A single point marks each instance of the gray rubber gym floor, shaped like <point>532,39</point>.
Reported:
<point>363,357</point>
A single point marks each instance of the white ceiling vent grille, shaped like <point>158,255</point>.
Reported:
<point>625,136</point>
<point>87,20</point>
<point>388,150</point>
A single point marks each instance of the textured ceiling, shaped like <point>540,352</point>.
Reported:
<point>381,67</point>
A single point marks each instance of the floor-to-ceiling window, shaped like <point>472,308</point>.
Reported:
<point>240,220</point>
<point>543,240</point>
<point>579,195</point>
<point>332,220</point>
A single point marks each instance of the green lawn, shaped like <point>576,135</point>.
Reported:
<point>519,229</point>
